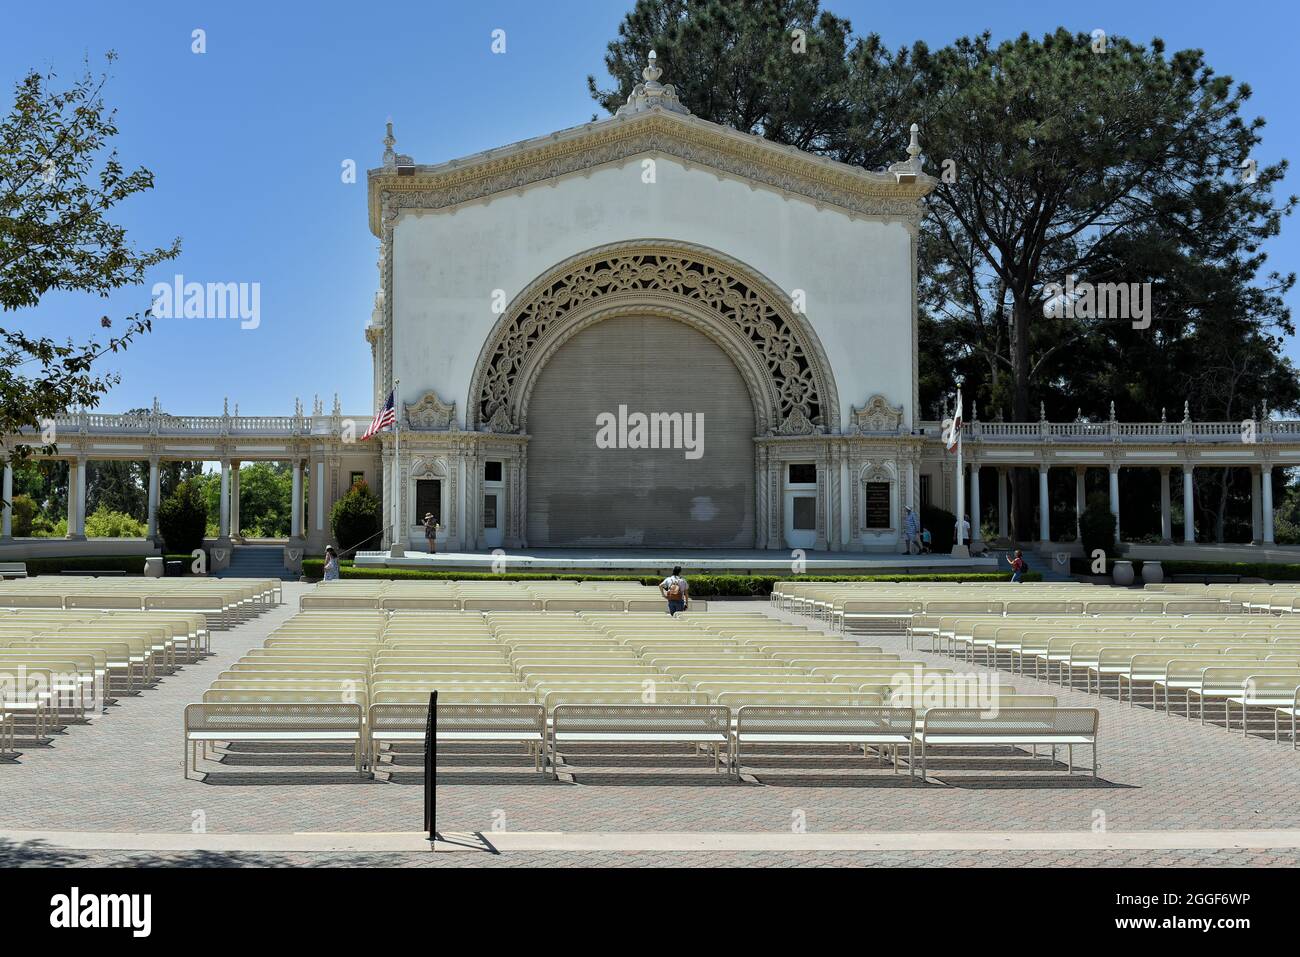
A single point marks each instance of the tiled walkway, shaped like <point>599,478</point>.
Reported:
<point>124,773</point>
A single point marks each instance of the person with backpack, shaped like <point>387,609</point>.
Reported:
<point>675,590</point>
<point>1018,566</point>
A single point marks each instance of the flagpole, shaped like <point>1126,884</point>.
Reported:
<point>398,547</point>
<point>960,546</point>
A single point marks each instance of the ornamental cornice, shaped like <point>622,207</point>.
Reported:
<point>687,138</point>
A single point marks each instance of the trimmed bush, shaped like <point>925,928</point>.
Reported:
<point>183,518</point>
<point>131,564</point>
<point>102,523</point>
<point>355,517</point>
<point>24,510</point>
<point>702,586</point>
<point>1097,529</point>
<point>943,528</point>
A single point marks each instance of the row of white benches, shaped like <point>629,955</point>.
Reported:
<point>713,727</point>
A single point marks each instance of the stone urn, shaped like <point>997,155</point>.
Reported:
<point>1152,573</point>
<point>1121,573</point>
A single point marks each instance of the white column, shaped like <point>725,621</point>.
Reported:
<point>1080,500</point>
<point>295,518</point>
<point>1189,521</point>
<point>73,481</point>
<point>7,493</point>
<point>974,502</point>
<point>1044,506</point>
<point>318,493</point>
<point>1166,514</point>
<point>152,520</point>
<point>223,529</point>
<point>1266,486</point>
<point>1114,498</point>
<point>234,499</point>
<point>82,473</point>
<point>1002,503</point>
<point>1256,507</point>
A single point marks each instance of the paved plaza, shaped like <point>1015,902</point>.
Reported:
<point>1157,773</point>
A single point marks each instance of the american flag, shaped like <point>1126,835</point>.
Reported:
<point>383,418</point>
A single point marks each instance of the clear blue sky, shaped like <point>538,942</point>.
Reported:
<point>246,142</point>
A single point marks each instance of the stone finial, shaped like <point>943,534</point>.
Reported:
<point>1112,410</point>
<point>1162,415</point>
<point>156,407</point>
<point>1187,411</point>
<point>1078,414</point>
<point>974,411</point>
<point>1264,416</point>
<point>1042,411</point>
<point>338,409</point>
<point>651,93</point>
<point>906,170</point>
<point>225,406</point>
<point>236,410</point>
<point>390,158</point>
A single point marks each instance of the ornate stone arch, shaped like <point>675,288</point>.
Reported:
<point>774,347</point>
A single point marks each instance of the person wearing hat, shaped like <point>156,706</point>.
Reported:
<point>911,529</point>
<point>431,532</point>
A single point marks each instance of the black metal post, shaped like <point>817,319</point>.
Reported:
<point>431,768</point>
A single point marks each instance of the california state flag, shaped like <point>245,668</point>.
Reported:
<point>952,432</point>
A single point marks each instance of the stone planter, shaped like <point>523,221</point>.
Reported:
<point>1152,573</point>
<point>1121,573</point>
<point>153,567</point>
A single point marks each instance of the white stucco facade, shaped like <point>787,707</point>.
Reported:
<point>853,273</point>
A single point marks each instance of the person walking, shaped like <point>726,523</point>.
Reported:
<point>1018,566</point>
<point>431,532</point>
<point>676,591</point>
<point>331,564</point>
<point>961,529</point>
<point>911,530</point>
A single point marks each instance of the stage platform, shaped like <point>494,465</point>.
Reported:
<point>655,561</point>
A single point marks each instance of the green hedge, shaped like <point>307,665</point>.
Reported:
<point>1269,571</point>
<point>131,564</point>
<point>702,586</point>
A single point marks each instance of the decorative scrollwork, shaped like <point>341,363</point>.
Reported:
<point>750,310</point>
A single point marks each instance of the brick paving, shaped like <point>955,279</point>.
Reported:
<point>124,773</point>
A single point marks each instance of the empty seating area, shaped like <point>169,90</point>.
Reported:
<point>72,647</point>
<point>1221,654</point>
<point>526,595</point>
<point>65,667</point>
<point>559,684</point>
<point>224,602</point>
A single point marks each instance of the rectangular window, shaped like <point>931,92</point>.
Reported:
<point>492,471</point>
<point>489,511</point>
<point>355,478</point>
<point>428,498</point>
<point>803,473</point>
<point>805,513</point>
<point>925,490</point>
<point>877,510</point>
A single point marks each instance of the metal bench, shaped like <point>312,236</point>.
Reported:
<point>282,723</point>
<point>1049,727</point>
<point>708,725</point>
<point>884,728</point>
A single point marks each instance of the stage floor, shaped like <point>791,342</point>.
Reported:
<point>647,561</point>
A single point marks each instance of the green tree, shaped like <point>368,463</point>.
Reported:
<point>355,518</point>
<point>1113,164</point>
<point>183,518</point>
<point>265,499</point>
<point>59,182</point>
<point>24,511</point>
<point>103,523</point>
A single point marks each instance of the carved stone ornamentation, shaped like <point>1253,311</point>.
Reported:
<point>500,421</point>
<point>876,416</point>
<point>789,354</point>
<point>796,423</point>
<point>431,414</point>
